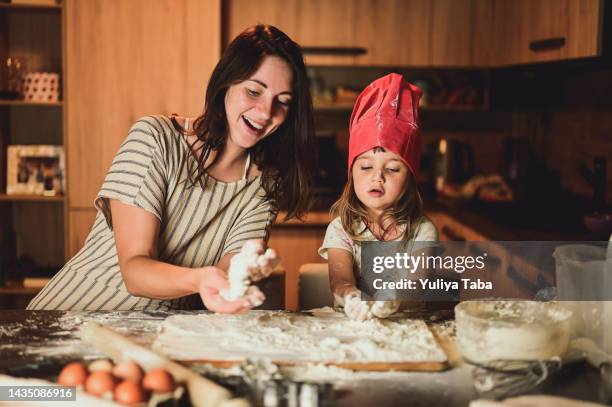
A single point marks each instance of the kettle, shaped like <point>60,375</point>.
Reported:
<point>455,163</point>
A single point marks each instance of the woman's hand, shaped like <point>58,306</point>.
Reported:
<point>214,280</point>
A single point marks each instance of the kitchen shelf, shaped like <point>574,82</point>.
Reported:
<point>31,198</point>
<point>19,291</point>
<point>30,6</point>
<point>27,103</point>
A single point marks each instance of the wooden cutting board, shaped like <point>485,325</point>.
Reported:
<point>225,341</point>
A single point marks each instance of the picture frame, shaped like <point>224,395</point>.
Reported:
<point>35,170</point>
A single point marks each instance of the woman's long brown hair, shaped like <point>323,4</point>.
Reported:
<point>286,156</point>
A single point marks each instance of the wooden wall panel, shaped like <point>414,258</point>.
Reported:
<point>126,59</point>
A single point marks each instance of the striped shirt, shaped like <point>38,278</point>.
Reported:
<point>198,226</point>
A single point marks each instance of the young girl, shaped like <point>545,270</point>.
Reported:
<point>380,201</point>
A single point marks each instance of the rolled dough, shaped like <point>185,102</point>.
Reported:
<point>325,337</point>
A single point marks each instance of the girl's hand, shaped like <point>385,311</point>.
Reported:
<point>212,281</point>
<point>384,309</point>
<point>359,310</point>
<point>355,308</point>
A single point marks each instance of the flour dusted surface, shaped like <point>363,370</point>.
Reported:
<point>328,337</point>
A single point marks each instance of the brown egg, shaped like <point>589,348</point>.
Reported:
<point>73,374</point>
<point>158,381</point>
<point>101,365</point>
<point>129,392</point>
<point>100,383</point>
<point>128,370</point>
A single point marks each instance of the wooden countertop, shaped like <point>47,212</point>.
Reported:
<point>313,218</point>
<point>38,343</point>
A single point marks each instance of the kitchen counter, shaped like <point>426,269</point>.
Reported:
<point>39,343</point>
<point>503,221</point>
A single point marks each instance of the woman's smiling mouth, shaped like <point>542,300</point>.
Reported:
<point>252,125</point>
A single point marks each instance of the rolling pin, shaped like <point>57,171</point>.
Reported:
<point>202,392</point>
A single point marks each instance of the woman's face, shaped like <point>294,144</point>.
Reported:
<point>379,179</point>
<point>256,107</point>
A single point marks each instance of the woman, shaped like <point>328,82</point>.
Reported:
<point>182,197</point>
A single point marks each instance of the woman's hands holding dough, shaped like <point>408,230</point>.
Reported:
<point>212,282</point>
<point>252,263</point>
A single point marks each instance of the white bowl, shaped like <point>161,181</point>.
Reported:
<point>511,330</point>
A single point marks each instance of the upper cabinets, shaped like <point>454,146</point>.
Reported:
<point>391,32</point>
<point>528,31</point>
<point>452,33</point>
<point>312,23</point>
<point>430,33</point>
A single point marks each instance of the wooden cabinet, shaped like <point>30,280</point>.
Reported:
<point>451,33</point>
<point>126,59</point>
<point>394,32</point>
<point>431,33</point>
<point>585,27</point>
<point>512,275</point>
<point>529,31</point>
<point>297,243</point>
<point>390,32</point>
<point>313,23</point>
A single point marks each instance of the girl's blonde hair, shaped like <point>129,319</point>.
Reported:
<point>407,209</point>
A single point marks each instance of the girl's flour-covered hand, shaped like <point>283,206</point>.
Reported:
<point>355,308</point>
<point>384,309</point>
<point>358,310</point>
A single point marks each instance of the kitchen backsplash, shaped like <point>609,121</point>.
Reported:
<point>565,113</point>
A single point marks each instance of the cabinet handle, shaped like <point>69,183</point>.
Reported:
<point>547,44</point>
<point>452,235</point>
<point>521,281</point>
<point>350,51</point>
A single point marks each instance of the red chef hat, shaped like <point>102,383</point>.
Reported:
<point>386,115</point>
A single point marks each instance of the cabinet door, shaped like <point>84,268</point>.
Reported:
<point>312,23</point>
<point>585,26</point>
<point>483,43</point>
<point>528,31</point>
<point>451,33</point>
<point>241,14</point>
<point>126,59</point>
<point>394,32</point>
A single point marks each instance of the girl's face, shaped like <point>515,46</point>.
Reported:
<point>379,179</point>
<point>256,107</point>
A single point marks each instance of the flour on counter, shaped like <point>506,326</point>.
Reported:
<point>328,337</point>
